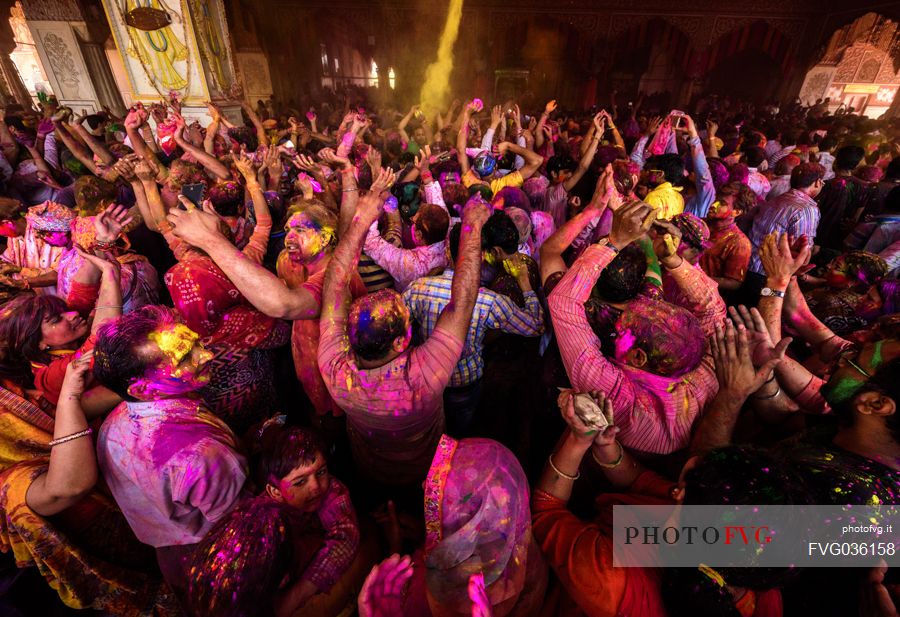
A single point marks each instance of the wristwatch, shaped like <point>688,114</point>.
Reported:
<point>768,292</point>
<point>605,242</point>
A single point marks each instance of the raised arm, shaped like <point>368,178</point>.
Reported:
<point>152,208</point>
<point>254,119</point>
<point>97,147</point>
<point>405,121</point>
<point>539,132</point>
<point>212,129</point>
<point>72,470</point>
<point>711,150</point>
<point>617,136</point>
<point>259,239</point>
<point>553,247</point>
<point>457,315</point>
<point>700,293</point>
<point>135,121</point>
<point>336,291</point>
<point>706,190</point>
<point>349,188</point>
<point>462,137</point>
<point>78,150</point>
<point>586,366</point>
<point>211,163</point>
<point>533,160</point>
<point>588,155</point>
<point>261,288</point>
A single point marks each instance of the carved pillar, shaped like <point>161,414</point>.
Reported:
<point>104,83</point>
<point>11,86</point>
<point>191,56</point>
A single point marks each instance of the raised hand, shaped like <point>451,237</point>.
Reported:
<point>550,107</point>
<point>125,168</point>
<point>711,128</point>
<point>301,161</point>
<point>383,592</point>
<point>77,373</point>
<point>734,366</point>
<point>653,125</point>
<point>599,122</point>
<point>329,156</point>
<point>109,223</point>
<point>476,211</point>
<point>373,158</point>
<point>194,225</point>
<point>383,181</point>
<point>496,115</point>
<point>423,159</point>
<point>666,238</point>
<point>179,122</point>
<point>690,126</point>
<point>245,165</point>
<point>133,120</point>
<point>146,170</point>
<point>630,222</point>
<point>762,348</point>
<point>779,260</point>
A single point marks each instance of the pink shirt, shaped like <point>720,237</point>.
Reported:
<point>654,413</point>
<point>405,265</point>
<point>395,412</point>
<point>173,468</point>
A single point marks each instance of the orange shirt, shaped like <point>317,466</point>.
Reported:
<point>581,554</point>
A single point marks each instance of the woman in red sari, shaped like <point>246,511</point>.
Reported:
<point>51,515</point>
<point>240,390</point>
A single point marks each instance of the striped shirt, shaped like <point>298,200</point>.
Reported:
<point>654,413</point>
<point>428,296</point>
<point>794,213</point>
<point>338,519</point>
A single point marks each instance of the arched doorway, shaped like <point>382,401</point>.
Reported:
<point>857,68</point>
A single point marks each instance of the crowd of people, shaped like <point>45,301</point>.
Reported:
<point>344,358</point>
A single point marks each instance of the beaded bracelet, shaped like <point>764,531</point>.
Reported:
<point>105,246</point>
<point>83,433</point>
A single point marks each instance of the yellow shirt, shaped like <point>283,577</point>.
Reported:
<point>667,200</point>
<point>514,179</point>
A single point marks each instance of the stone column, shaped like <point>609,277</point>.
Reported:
<point>60,54</point>
<point>11,86</point>
<point>192,56</point>
<point>104,83</point>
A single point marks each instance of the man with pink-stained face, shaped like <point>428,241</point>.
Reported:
<point>47,236</point>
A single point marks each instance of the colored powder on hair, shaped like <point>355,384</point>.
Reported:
<point>175,342</point>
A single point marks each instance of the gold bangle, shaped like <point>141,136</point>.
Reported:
<point>561,474</point>
<point>615,463</point>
